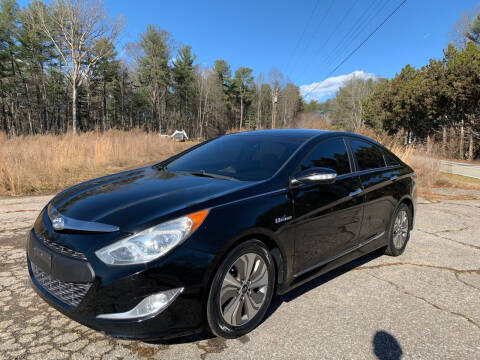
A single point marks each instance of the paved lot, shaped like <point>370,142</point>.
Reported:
<point>424,304</point>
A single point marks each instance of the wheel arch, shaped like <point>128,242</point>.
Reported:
<point>407,200</point>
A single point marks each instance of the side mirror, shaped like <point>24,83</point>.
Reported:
<point>314,176</point>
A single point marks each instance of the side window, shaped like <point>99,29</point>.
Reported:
<point>368,155</point>
<point>330,154</point>
<point>391,159</point>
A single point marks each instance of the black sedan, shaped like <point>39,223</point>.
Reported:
<point>203,240</point>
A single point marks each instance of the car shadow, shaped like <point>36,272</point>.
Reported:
<point>386,347</point>
<point>278,300</point>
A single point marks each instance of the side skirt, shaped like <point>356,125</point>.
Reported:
<point>375,242</point>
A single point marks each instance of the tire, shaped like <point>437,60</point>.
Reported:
<point>399,232</point>
<point>235,306</point>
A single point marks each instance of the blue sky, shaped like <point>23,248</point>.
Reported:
<point>266,34</point>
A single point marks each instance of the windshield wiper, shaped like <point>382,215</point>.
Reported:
<point>203,173</point>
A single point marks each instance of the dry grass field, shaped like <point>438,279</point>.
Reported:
<point>48,163</point>
<point>44,164</point>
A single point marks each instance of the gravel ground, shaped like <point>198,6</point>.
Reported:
<point>424,304</point>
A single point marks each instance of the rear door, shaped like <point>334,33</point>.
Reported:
<point>327,216</point>
<point>378,181</point>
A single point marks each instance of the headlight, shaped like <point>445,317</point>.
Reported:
<point>151,243</point>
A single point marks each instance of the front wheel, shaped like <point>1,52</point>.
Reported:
<point>241,290</point>
<point>399,231</point>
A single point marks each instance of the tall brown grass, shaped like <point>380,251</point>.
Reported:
<point>48,163</point>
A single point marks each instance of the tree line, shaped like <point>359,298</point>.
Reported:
<point>438,102</point>
<point>60,71</point>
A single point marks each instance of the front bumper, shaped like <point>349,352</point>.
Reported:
<point>111,292</point>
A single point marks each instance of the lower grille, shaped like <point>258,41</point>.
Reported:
<point>70,293</point>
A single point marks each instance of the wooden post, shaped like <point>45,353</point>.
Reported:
<point>461,142</point>
<point>470,143</point>
<point>444,141</point>
<point>274,107</point>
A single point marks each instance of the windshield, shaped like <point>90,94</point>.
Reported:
<point>242,157</point>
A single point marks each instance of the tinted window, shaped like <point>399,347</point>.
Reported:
<point>368,155</point>
<point>244,157</point>
<point>391,159</point>
<point>330,154</point>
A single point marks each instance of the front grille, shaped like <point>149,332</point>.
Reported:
<point>70,293</point>
<point>62,249</point>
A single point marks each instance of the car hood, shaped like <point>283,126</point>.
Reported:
<point>139,197</point>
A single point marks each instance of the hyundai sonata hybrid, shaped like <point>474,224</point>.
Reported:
<point>203,240</point>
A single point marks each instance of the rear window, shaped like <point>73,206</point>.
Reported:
<point>242,157</point>
<point>368,155</point>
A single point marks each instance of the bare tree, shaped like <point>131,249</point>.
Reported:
<point>75,28</point>
<point>289,103</point>
<point>211,107</point>
<point>202,78</point>
<point>258,98</point>
<point>461,28</point>
<point>348,103</point>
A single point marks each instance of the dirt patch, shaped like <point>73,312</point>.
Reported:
<point>213,346</point>
<point>436,196</point>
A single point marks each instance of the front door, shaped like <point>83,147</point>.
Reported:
<point>327,216</point>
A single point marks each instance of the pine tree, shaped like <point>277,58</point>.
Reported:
<point>183,73</point>
<point>153,69</point>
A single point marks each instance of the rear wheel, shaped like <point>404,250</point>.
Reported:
<point>241,290</point>
<point>399,231</point>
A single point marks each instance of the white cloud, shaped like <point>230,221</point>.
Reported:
<point>320,91</point>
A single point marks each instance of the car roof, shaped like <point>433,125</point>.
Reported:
<point>299,134</point>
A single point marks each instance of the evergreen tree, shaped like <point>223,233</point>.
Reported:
<point>183,73</point>
<point>153,69</point>
<point>243,83</point>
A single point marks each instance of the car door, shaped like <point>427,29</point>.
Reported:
<point>379,187</point>
<point>327,216</point>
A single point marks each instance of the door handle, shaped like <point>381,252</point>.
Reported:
<point>355,192</point>
<point>394,177</point>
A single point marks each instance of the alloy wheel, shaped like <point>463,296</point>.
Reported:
<point>244,289</point>
<point>400,229</point>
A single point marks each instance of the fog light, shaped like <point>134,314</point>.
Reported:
<point>150,306</point>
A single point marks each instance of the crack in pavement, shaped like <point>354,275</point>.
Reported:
<point>456,272</point>
<point>436,306</point>
<point>451,230</point>
<point>449,239</point>
<point>468,205</point>
<point>437,267</point>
